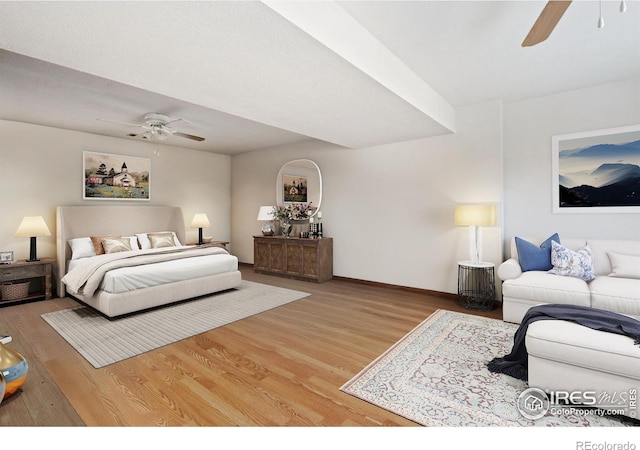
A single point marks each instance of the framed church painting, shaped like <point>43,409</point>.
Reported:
<point>116,177</point>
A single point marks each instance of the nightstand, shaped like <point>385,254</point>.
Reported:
<point>28,270</point>
<point>476,285</point>
<point>222,244</point>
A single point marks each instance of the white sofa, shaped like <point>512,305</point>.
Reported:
<point>608,290</point>
<point>571,358</point>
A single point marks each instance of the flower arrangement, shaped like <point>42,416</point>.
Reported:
<point>294,211</point>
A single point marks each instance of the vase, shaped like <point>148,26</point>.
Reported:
<point>3,386</point>
<point>285,228</point>
<point>14,367</point>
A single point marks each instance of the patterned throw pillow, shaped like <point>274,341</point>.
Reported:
<point>578,264</point>
<point>115,245</point>
<point>97,242</point>
<point>159,240</point>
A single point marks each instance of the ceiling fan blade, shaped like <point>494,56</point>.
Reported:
<point>123,123</point>
<point>547,21</point>
<point>177,120</point>
<point>188,136</point>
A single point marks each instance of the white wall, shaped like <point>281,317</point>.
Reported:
<point>41,168</point>
<point>389,208</point>
<point>528,128</point>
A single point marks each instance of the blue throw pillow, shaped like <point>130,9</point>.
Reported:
<point>532,257</point>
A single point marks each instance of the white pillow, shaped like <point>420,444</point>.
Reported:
<point>133,242</point>
<point>145,243</point>
<point>81,248</point>
<point>624,266</point>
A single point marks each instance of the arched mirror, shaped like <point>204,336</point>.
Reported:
<point>300,181</point>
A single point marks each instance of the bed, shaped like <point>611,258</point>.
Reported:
<point>118,283</point>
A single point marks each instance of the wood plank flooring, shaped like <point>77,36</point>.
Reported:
<point>283,367</point>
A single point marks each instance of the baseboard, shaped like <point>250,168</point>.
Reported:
<point>447,295</point>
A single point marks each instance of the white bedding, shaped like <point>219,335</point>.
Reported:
<point>131,277</point>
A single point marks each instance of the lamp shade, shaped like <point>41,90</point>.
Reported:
<point>265,213</point>
<point>33,226</point>
<point>479,215</point>
<point>200,220</point>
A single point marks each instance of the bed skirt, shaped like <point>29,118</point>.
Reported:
<point>113,305</point>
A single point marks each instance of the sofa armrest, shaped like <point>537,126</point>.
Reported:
<point>509,269</point>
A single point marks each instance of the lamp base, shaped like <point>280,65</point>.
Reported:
<point>268,229</point>
<point>32,250</point>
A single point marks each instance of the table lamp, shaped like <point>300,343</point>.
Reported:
<point>32,227</point>
<point>475,217</point>
<point>200,221</point>
<point>266,214</point>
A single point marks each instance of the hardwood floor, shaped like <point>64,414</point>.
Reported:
<point>282,367</point>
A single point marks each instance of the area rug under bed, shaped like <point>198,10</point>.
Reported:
<point>103,341</point>
<point>436,376</point>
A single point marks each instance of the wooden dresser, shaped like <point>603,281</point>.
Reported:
<point>302,258</point>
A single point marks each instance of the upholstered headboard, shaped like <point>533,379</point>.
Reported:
<point>83,221</point>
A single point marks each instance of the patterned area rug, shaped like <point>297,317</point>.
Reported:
<point>102,341</point>
<point>436,376</point>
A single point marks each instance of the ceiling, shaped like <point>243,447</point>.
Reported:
<point>251,75</point>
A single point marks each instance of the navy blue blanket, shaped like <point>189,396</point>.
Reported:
<point>515,363</point>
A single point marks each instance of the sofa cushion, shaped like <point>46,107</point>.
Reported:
<point>621,295</point>
<point>570,343</point>
<point>543,287</point>
<point>566,262</point>
<point>534,257</point>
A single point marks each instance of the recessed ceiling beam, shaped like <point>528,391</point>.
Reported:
<point>332,26</point>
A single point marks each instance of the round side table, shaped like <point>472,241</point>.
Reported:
<point>476,285</point>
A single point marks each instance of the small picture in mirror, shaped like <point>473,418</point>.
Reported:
<point>295,188</point>
<point>6,257</point>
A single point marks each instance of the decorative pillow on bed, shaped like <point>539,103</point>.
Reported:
<point>97,242</point>
<point>143,239</point>
<point>159,240</point>
<point>81,248</point>
<point>115,245</point>
<point>624,266</point>
<point>566,262</point>
<point>533,257</point>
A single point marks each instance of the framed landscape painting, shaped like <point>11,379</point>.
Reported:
<point>597,171</point>
<point>295,188</point>
<point>116,177</point>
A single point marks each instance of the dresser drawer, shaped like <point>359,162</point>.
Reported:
<point>16,273</point>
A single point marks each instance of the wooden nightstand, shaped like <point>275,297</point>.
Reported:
<point>27,270</point>
<point>222,244</point>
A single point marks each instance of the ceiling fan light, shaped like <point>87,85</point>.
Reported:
<point>161,134</point>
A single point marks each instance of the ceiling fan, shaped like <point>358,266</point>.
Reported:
<point>549,18</point>
<point>547,21</point>
<point>158,127</point>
